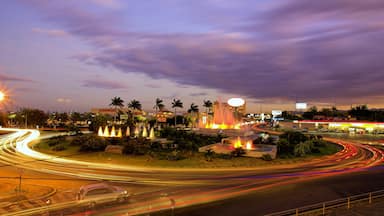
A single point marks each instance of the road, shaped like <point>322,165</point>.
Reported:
<point>176,188</point>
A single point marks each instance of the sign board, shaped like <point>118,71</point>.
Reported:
<point>277,112</point>
<point>301,105</point>
<point>236,102</point>
<point>123,117</point>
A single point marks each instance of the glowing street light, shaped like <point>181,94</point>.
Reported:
<point>2,96</point>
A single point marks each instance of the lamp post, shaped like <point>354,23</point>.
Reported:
<point>2,96</point>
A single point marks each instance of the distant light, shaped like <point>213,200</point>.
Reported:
<point>236,102</point>
<point>2,96</point>
<point>301,106</point>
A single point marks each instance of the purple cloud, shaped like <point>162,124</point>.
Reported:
<point>300,49</point>
<point>198,94</point>
<point>51,32</point>
<point>103,84</point>
<point>5,77</point>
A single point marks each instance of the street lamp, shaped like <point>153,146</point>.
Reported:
<point>2,96</point>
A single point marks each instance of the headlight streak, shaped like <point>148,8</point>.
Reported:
<point>354,157</point>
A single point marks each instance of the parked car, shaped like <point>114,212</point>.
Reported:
<point>101,193</point>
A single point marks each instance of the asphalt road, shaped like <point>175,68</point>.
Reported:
<point>293,195</point>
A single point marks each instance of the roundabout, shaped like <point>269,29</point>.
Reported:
<point>186,187</point>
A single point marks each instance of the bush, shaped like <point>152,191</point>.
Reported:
<point>266,157</point>
<point>137,146</point>
<point>60,147</point>
<point>55,140</point>
<point>79,140</point>
<point>93,143</point>
<point>238,152</point>
<point>223,156</point>
<point>53,143</point>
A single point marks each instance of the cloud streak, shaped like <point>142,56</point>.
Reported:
<point>103,84</point>
<point>5,77</point>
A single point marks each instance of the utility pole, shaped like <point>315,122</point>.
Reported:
<point>26,120</point>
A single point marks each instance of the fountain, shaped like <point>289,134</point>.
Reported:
<point>113,132</point>
<point>119,133</point>
<point>223,118</point>
<point>106,132</point>
<point>145,133</point>
<point>152,133</point>
<point>100,132</point>
<point>128,132</point>
<point>242,143</point>
<point>137,132</point>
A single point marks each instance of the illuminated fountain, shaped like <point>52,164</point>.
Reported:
<point>136,132</point>
<point>113,132</point>
<point>145,132</point>
<point>152,133</point>
<point>119,133</point>
<point>223,115</point>
<point>100,132</point>
<point>128,132</point>
<point>242,143</point>
<point>106,132</point>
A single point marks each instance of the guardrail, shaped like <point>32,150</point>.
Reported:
<point>327,207</point>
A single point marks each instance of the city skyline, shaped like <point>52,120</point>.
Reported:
<point>72,55</point>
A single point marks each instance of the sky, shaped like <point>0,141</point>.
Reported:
<point>75,55</point>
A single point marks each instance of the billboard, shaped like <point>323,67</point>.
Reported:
<point>301,105</point>
<point>236,102</point>
<point>277,112</point>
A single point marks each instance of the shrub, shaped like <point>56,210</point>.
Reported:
<point>53,142</point>
<point>93,143</point>
<point>224,156</point>
<point>60,147</point>
<point>266,157</point>
<point>238,152</point>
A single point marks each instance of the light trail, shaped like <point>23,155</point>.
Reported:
<point>200,185</point>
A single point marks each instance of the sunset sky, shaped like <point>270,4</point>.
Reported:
<point>78,54</point>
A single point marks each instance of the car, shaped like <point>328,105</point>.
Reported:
<point>101,193</point>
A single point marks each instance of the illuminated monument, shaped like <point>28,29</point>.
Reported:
<point>225,115</point>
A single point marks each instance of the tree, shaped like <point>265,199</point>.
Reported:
<point>31,117</point>
<point>158,106</point>
<point>310,113</point>
<point>208,105</point>
<point>117,103</point>
<point>176,103</point>
<point>194,111</point>
<point>134,104</point>
<point>193,108</point>
<point>303,148</point>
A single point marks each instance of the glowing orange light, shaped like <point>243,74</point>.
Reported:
<point>248,145</point>
<point>2,96</point>
<point>237,143</point>
<point>100,132</point>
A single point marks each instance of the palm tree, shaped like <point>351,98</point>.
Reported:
<point>117,103</point>
<point>134,104</point>
<point>158,106</point>
<point>176,103</point>
<point>208,105</point>
<point>193,110</point>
